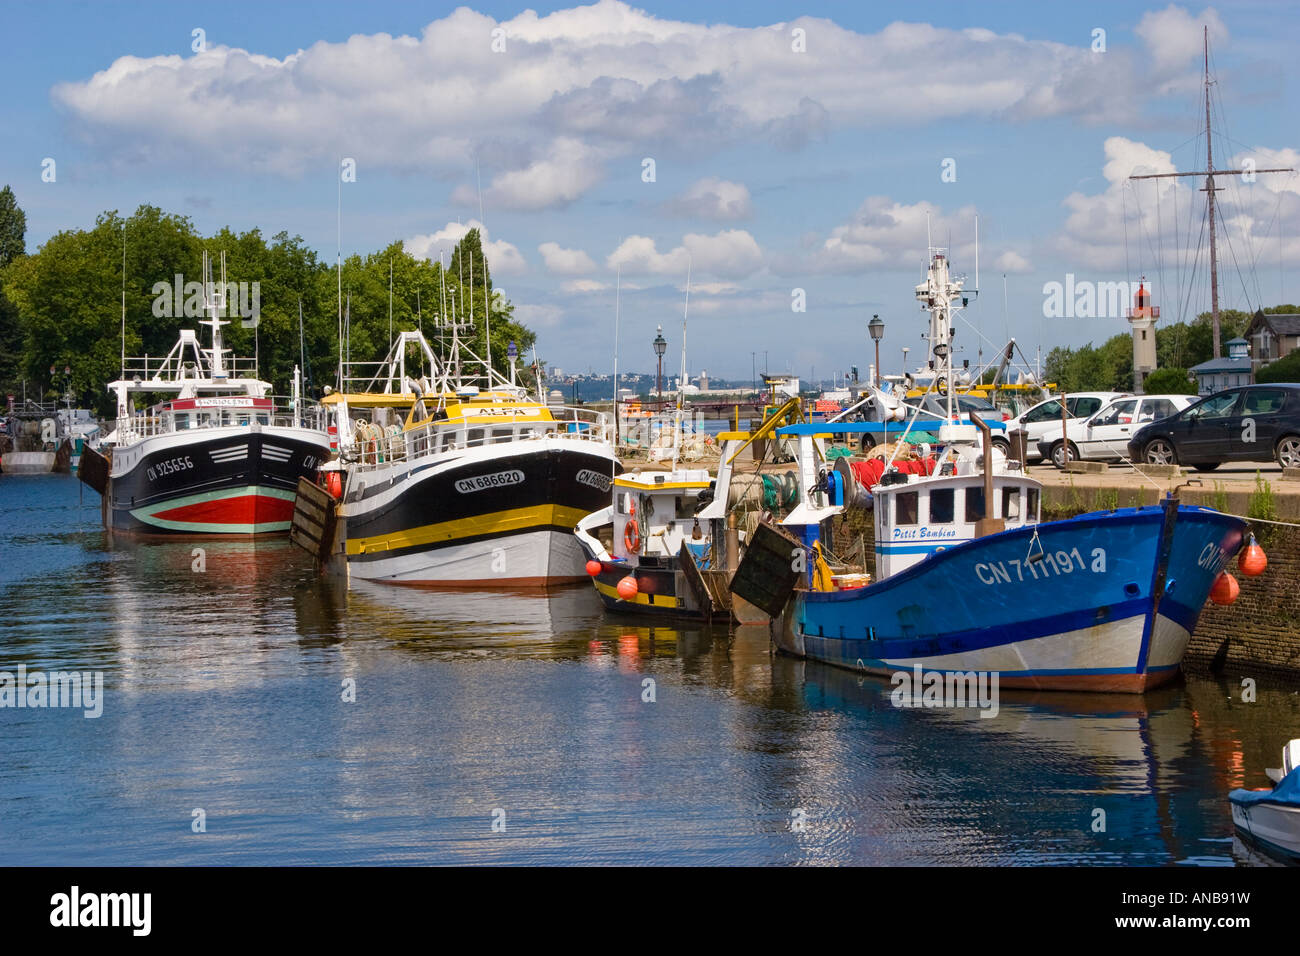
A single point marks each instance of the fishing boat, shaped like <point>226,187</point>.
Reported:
<point>968,579</point>
<point>664,545</point>
<point>453,475</point>
<point>34,439</point>
<point>1270,818</point>
<point>221,456</point>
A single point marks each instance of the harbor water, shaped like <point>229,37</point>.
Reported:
<point>253,713</point>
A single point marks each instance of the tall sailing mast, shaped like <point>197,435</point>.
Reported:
<point>1210,189</point>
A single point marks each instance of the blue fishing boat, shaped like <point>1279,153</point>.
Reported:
<point>1270,818</point>
<point>968,579</point>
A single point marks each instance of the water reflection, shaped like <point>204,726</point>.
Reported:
<point>604,739</point>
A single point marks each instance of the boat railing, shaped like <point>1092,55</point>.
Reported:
<point>168,421</point>
<point>373,448</point>
<point>169,368</point>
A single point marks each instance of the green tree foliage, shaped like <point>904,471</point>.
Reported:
<point>67,301</point>
<point>13,228</point>
<point>1281,370</point>
<point>1179,346</point>
<point>1108,367</point>
<point>1169,381</point>
<point>13,232</point>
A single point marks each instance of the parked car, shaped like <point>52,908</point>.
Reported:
<point>1250,423</point>
<point>1104,435</point>
<point>1038,420</point>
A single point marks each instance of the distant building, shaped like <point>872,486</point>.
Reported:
<point>1272,336</point>
<point>1220,373</point>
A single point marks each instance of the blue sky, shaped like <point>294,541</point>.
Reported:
<point>776,168</point>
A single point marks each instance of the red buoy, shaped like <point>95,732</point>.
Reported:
<point>627,588</point>
<point>1253,560</point>
<point>1225,589</point>
<point>334,484</point>
<point>593,567</point>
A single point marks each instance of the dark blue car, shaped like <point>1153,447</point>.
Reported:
<point>1251,423</point>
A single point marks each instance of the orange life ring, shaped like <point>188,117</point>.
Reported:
<point>632,537</point>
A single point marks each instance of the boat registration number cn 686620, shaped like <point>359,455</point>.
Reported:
<point>496,480</point>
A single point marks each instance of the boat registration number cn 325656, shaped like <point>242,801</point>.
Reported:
<point>1052,563</point>
<point>496,480</point>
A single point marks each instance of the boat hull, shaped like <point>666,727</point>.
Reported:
<point>1273,827</point>
<point>233,481</point>
<point>499,516</point>
<point>1110,607</point>
<point>661,592</point>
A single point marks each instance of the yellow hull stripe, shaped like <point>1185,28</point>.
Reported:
<point>497,522</point>
<point>660,600</point>
<point>633,482</point>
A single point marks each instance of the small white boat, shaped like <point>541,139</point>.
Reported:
<point>1270,818</point>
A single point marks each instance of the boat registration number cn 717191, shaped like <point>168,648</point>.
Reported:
<point>496,480</point>
<point>1058,563</point>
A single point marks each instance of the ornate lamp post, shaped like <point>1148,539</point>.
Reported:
<point>877,330</point>
<point>660,346</point>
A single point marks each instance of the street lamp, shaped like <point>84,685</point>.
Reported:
<point>877,330</point>
<point>661,346</point>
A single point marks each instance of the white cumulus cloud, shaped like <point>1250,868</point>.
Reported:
<point>503,257</point>
<point>565,262</point>
<point>714,198</point>
<point>730,254</point>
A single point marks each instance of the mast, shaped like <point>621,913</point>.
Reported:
<point>1210,189</point>
<point>618,282</point>
<point>681,382</point>
<point>1209,194</point>
<point>339,265</point>
<point>123,298</point>
<point>216,360</point>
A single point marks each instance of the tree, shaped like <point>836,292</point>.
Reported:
<point>13,228</point>
<point>65,301</point>
<point>13,231</point>
<point>1169,381</point>
<point>1285,369</point>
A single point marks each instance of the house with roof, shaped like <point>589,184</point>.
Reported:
<point>1272,337</point>
<point>1225,372</point>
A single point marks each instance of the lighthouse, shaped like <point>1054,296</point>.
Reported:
<point>1142,318</point>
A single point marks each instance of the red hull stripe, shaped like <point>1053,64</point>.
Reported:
<point>245,509</point>
<point>251,509</point>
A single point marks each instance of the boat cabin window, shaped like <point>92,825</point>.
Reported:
<point>1011,504</point>
<point>906,507</point>
<point>182,420</point>
<point>1031,507</point>
<point>474,437</point>
<point>448,440</point>
<point>686,506</point>
<point>942,506</point>
<point>974,504</point>
<point>264,418</point>
<point>502,434</point>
